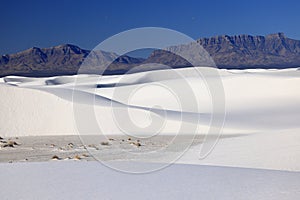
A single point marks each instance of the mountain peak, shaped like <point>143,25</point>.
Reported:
<point>67,46</point>
<point>244,36</point>
<point>276,35</point>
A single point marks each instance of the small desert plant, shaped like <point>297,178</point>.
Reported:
<point>11,142</point>
<point>8,145</point>
<point>77,157</point>
<point>137,144</point>
<point>71,144</point>
<point>104,143</point>
<point>55,157</point>
<point>52,145</point>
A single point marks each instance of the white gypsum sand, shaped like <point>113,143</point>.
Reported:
<point>263,105</point>
<point>91,180</point>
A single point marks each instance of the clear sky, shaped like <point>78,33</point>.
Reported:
<point>42,23</point>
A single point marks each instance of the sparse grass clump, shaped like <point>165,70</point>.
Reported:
<point>70,145</point>
<point>104,143</point>
<point>55,157</point>
<point>85,155</point>
<point>137,144</point>
<point>9,143</point>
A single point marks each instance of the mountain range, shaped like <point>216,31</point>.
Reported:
<point>232,52</point>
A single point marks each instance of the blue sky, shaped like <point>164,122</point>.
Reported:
<point>86,23</point>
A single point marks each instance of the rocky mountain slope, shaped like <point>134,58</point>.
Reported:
<point>246,51</point>
<point>60,60</point>
<point>242,51</point>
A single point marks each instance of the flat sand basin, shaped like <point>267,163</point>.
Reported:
<point>96,147</point>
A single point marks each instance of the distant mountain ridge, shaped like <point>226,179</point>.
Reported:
<point>59,60</point>
<point>233,52</point>
<point>246,51</point>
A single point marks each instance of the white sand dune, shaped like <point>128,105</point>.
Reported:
<point>262,104</point>
<point>256,100</point>
<point>91,180</point>
<point>277,150</point>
